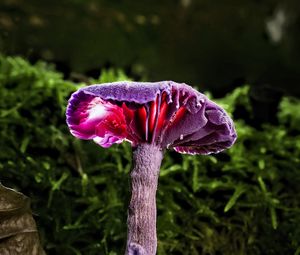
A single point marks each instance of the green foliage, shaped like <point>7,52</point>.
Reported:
<point>243,201</point>
<point>111,75</point>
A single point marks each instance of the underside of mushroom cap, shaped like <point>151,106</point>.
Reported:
<point>167,114</point>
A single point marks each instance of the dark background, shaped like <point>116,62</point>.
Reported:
<point>215,45</point>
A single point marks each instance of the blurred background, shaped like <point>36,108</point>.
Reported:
<point>244,54</point>
<point>215,45</point>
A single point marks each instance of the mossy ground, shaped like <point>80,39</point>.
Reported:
<point>243,201</point>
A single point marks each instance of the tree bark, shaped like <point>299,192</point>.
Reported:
<point>141,235</point>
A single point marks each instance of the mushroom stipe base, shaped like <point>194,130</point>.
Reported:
<point>141,235</point>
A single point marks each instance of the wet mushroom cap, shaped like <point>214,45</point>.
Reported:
<point>167,114</point>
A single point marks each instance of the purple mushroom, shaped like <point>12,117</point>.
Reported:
<point>153,117</point>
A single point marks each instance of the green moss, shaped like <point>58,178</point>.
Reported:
<point>244,201</point>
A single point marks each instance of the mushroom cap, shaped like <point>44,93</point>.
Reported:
<point>166,113</point>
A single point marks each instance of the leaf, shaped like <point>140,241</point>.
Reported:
<point>261,164</point>
<point>195,177</point>
<point>24,144</point>
<point>232,201</point>
<point>170,170</point>
<point>273,217</point>
<point>262,184</point>
<point>18,232</point>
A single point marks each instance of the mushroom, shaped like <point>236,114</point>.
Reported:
<point>153,117</point>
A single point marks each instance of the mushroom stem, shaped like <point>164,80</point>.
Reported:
<point>141,235</point>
